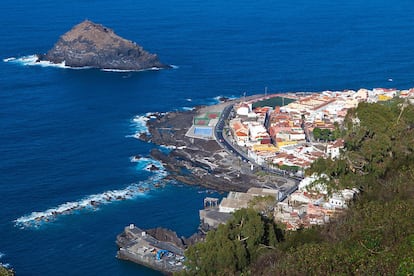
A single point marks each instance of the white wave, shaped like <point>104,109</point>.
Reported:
<point>33,60</point>
<point>139,123</point>
<point>2,255</point>
<point>168,147</point>
<point>149,164</point>
<point>116,70</point>
<point>189,100</point>
<point>6,265</point>
<point>92,202</point>
<point>134,159</point>
<point>9,59</point>
<point>217,99</point>
<point>126,71</point>
<point>35,219</point>
<point>186,108</point>
<point>174,66</point>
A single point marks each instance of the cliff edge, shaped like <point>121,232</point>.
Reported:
<point>93,45</point>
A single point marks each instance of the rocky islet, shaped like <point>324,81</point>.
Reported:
<point>93,45</point>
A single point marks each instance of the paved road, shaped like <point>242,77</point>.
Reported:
<point>223,140</point>
<point>225,143</point>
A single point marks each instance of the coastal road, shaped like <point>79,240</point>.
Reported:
<point>222,139</point>
<point>225,143</point>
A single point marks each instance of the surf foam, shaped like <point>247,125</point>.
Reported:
<point>186,108</point>
<point>217,99</point>
<point>139,123</point>
<point>92,202</point>
<point>126,71</point>
<point>148,164</point>
<point>33,60</point>
<point>5,265</point>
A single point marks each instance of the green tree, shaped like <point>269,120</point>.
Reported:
<point>317,133</point>
<point>233,246</point>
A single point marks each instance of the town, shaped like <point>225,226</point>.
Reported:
<point>284,134</point>
<point>276,134</point>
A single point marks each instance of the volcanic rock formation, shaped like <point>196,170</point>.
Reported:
<point>92,45</point>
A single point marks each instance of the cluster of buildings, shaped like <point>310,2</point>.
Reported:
<point>283,135</point>
<point>301,209</point>
<point>216,213</point>
<point>312,206</point>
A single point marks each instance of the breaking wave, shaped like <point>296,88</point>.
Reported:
<point>5,265</point>
<point>126,71</point>
<point>33,60</point>
<point>148,164</point>
<point>92,202</point>
<point>186,108</point>
<point>221,98</point>
<point>139,124</point>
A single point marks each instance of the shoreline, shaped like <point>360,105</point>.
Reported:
<point>192,161</point>
<point>202,153</point>
<point>201,162</point>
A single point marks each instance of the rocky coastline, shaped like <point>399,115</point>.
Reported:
<point>164,235</point>
<point>198,161</point>
<point>93,45</point>
<point>193,161</point>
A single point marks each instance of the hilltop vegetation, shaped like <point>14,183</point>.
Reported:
<point>374,237</point>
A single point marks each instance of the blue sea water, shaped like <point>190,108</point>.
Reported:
<point>65,135</point>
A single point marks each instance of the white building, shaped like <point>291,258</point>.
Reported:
<point>243,109</point>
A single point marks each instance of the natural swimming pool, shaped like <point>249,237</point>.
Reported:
<point>203,131</point>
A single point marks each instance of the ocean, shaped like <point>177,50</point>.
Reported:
<point>67,136</point>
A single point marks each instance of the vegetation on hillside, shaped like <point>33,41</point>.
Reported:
<point>374,237</point>
<point>233,246</point>
<point>5,272</point>
<point>326,134</point>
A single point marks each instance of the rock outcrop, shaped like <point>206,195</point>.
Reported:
<point>166,235</point>
<point>92,45</point>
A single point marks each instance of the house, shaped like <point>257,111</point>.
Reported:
<point>300,197</point>
<point>234,201</point>
<point>243,109</point>
<point>240,132</point>
<point>333,149</point>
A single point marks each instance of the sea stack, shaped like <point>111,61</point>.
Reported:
<point>93,45</point>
